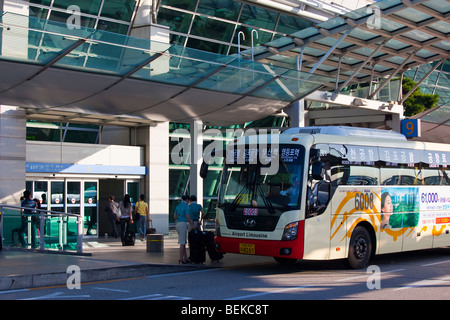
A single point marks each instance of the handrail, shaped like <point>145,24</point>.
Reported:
<point>43,214</point>
<point>37,209</point>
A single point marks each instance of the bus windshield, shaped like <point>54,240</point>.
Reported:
<point>247,190</point>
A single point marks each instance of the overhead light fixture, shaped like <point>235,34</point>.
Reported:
<point>359,102</point>
<point>298,41</point>
<point>281,114</point>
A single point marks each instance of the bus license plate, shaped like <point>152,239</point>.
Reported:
<point>247,248</point>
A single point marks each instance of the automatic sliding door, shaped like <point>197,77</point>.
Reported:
<point>57,196</point>
<point>90,207</point>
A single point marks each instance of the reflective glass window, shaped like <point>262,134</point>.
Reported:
<point>211,183</point>
<point>258,39</point>
<point>258,17</point>
<point>207,46</point>
<point>224,9</point>
<point>133,191</point>
<point>178,179</point>
<point>81,136</point>
<point>57,193</point>
<point>63,18</point>
<point>43,134</point>
<point>43,2</point>
<point>175,20</point>
<point>209,207</point>
<point>177,39</point>
<point>289,25</point>
<point>113,27</point>
<point>39,13</point>
<point>86,6</point>
<point>40,192</point>
<point>212,29</point>
<point>118,9</point>
<point>73,192</point>
<point>182,4</point>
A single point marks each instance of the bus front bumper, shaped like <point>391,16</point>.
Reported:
<point>273,248</point>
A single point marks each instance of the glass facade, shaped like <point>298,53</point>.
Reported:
<point>109,15</point>
<point>214,25</point>
<point>62,132</point>
<point>438,82</point>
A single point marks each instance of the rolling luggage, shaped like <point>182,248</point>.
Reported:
<point>129,239</point>
<point>197,248</point>
<point>211,248</point>
<point>150,230</point>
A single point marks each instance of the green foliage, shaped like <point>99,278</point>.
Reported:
<point>418,101</point>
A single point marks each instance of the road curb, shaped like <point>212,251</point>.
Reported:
<point>91,275</point>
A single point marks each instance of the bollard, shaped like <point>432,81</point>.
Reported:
<point>155,243</point>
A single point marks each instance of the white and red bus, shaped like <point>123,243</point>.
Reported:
<point>322,193</point>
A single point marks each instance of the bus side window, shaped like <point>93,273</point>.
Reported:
<point>435,176</point>
<point>401,175</point>
<point>319,188</point>
<point>318,195</point>
<point>363,175</point>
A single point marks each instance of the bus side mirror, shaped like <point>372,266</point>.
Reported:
<point>204,170</point>
<point>314,155</point>
<point>317,170</point>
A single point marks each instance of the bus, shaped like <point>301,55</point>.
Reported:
<point>322,193</point>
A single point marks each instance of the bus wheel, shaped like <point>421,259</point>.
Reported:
<point>284,260</point>
<point>360,248</point>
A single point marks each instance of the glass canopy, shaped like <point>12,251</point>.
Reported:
<point>379,41</point>
<point>52,45</point>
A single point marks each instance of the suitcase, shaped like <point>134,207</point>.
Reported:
<point>211,247</point>
<point>197,248</point>
<point>150,230</point>
<point>129,239</point>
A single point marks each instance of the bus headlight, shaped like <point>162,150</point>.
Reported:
<point>290,232</point>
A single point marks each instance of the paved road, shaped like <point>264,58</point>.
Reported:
<point>418,275</point>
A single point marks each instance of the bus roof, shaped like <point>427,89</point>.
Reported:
<point>348,132</point>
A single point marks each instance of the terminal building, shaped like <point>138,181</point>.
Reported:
<point>122,96</point>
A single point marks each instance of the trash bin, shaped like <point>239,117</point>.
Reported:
<point>155,242</point>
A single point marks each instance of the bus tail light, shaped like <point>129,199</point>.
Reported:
<point>290,232</point>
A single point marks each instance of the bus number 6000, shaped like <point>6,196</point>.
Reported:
<point>363,200</point>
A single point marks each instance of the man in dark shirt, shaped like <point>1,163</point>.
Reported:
<point>27,202</point>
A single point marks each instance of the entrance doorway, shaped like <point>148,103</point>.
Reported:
<point>76,196</point>
<point>87,197</point>
<point>118,188</point>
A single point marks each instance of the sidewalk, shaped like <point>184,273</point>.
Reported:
<point>103,259</point>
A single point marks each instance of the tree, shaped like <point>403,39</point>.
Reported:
<point>418,101</point>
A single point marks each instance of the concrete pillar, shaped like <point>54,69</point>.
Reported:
<point>195,181</point>
<point>144,27</point>
<point>297,113</point>
<point>155,137</point>
<point>12,154</point>
<point>156,141</point>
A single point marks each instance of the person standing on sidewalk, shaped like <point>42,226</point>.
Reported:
<point>30,204</point>
<point>126,209</point>
<point>142,215</point>
<point>111,210</point>
<point>196,213</point>
<point>181,217</point>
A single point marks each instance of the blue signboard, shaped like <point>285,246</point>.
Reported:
<point>411,128</point>
<point>84,168</point>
